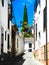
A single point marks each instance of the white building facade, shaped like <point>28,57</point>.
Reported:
<point>4,20</point>
<point>4,31</point>
<point>29,45</point>
<point>40,20</point>
<point>19,44</point>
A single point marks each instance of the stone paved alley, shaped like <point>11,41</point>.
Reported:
<point>29,59</point>
<point>26,59</point>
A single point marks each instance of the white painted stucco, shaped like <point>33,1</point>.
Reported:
<point>26,44</point>
<point>39,22</point>
<point>41,41</point>
<point>4,21</point>
<point>4,25</point>
<point>47,20</point>
<point>20,44</point>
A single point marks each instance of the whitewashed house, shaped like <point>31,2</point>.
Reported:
<point>41,17</point>
<point>5,32</point>
<point>9,35</point>
<point>40,31</point>
<point>17,42</point>
<point>4,21</point>
<point>29,44</point>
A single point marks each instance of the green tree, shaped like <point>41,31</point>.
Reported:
<point>24,23</point>
<point>25,17</point>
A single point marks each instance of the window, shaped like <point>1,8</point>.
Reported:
<point>8,23</point>
<point>9,11</point>
<point>39,34</point>
<point>36,31</point>
<point>45,19</point>
<point>39,12</point>
<point>30,45</point>
<point>2,41</point>
<point>3,3</point>
<point>30,50</point>
<point>8,41</point>
<point>17,43</point>
<point>9,8</point>
<point>5,35</point>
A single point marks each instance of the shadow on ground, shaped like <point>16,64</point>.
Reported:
<point>12,61</point>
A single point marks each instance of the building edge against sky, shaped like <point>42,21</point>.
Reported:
<point>6,29</point>
<point>40,21</point>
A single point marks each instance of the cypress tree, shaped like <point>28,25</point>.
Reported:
<point>25,25</point>
<point>25,17</point>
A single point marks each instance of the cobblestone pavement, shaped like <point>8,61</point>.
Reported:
<point>26,59</point>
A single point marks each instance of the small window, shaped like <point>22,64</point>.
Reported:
<point>3,3</point>
<point>30,50</point>
<point>30,45</point>
<point>17,43</point>
<point>5,35</point>
<point>39,12</point>
<point>45,19</point>
<point>39,34</point>
<point>8,41</point>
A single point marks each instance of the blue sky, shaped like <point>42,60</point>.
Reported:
<point>18,10</point>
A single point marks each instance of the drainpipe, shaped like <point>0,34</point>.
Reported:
<point>46,36</point>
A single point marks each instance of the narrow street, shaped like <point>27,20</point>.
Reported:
<point>25,59</point>
<point>29,59</point>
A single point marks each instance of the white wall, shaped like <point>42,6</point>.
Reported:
<point>27,42</point>
<point>39,20</point>
<point>26,46</point>
<point>47,20</point>
<point>32,31</point>
<point>20,48</point>
<point>4,21</point>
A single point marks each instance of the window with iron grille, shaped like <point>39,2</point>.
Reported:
<point>45,19</point>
